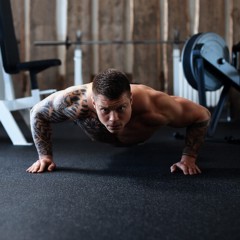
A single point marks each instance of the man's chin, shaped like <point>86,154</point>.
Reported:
<point>114,129</point>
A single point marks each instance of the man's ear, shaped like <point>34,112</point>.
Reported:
<point>93,102</point>
<point>131,98</point>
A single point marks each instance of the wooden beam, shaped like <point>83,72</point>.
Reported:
<point>146,26</point>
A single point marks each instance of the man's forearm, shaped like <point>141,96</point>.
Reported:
<point>195,135</point>
<point>41,130</point>
<point>42,134</point>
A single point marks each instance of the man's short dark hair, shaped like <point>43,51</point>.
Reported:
<point>111,83</point>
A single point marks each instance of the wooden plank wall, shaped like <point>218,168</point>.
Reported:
<point>146,26</point>
<point>79,19</point>
<point>178,19</point>
<point>43,27</point>
<point>145,63</point>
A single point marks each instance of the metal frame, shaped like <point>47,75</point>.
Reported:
<point>201,58</point>
<point>8,104</point>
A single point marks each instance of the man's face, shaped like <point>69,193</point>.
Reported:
<point>113,114</point>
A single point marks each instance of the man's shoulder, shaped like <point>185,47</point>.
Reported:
<point>141,97</point>
<point>77,88</point>
<point>140,87</point>
<point>146,93</point>
<point>70,96</point>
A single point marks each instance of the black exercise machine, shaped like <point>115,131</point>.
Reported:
<point>207,66</point>
<point>12,65</point>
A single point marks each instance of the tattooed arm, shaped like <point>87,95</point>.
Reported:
<point>179,112</point>
<point>56,108</point>
<point>195,135</point>
<point>199,118</point>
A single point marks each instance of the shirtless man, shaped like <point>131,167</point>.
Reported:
<point>113,111</point>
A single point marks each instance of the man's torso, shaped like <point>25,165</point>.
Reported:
<point>138,129</point>
<point>133,133</point>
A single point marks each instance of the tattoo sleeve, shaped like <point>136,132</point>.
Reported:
<point>41,119</point>
<point>64,107</point>
<point>195,135</point>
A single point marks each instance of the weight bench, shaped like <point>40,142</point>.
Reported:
<point>206,66</point>
<point>11,64</point>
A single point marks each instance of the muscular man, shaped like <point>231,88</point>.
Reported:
<point>114,111</point>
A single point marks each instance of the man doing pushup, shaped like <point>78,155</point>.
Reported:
<point>112,110</point>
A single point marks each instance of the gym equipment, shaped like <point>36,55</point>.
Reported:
<point>206,66</point>
<point>68,42</point>
<point>11,64</point>
<point>78,51</point>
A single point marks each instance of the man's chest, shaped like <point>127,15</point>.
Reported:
<point>133,133</point>
<point>95,129</point>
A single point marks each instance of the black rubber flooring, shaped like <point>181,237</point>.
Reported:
<point>102,192</point>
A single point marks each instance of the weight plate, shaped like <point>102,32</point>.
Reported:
<point>213,42</point>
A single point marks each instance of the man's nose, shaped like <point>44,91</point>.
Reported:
<point>113,116</point>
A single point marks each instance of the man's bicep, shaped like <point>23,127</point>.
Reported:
<point>47,110</point>
<point>72,104</point>
<point>165,110</point>
<point>63,105</point>
<point>62,108</point>
<point>188,112</point>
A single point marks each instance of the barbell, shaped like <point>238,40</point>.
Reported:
<point>79,41</point>
<point>67,42</point>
